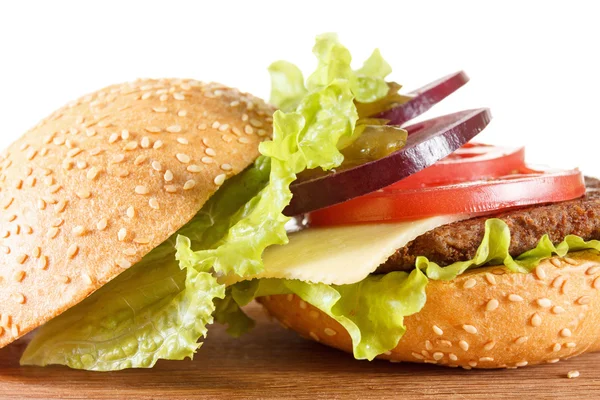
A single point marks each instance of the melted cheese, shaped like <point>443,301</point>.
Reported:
<point>343,254</point>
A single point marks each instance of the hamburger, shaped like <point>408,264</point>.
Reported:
<point>139,214</point>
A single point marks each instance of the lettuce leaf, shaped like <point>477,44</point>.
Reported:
<point>159,309</point>
<point>373,310</point>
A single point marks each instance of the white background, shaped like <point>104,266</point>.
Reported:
<point>536,64</point>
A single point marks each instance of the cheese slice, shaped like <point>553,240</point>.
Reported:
<point>343,254</point>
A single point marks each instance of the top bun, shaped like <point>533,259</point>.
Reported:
<point>101,182</point>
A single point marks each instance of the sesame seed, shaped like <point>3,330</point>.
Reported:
<point>556,347</point>
<point>207,160</point>
<point>445,343</point>
<point>570,345</point>
<point>558,310</point>
<point>183,140</point>
<point>489,345</point>
<point>417,356</point>
<point>72,250</point>
<point>182,113</point>
<point>168,175</point>
<point>41,204</point>
<point>102,224</point>
<point>569,260</point>
<point>244,117</point>
<point>540,273</point>
<point>156,166</point>
<point>536,320</point>
<point>583,300</point>
<point>544,302</point>
<point>122,234</point>
<point>236,131</point>
<point>521,339</point>
<point>163,97</point>
<point>18,297</point>
<point>62,278</point>
<point>171,188</point>
<point>83,194</point>
<point>129,252</point>
<point>438,355</point>
<point>428,345</point>
<point>153,203</point>
<point>123,263</point>
<point>96,151</point>
<point>425,353</point>
<point>492,305</point>
<point>189,184</point>
<point>521,364</point>
<point>145,142</point>
<point>302,304</point>
<point>174,129</point>
<point>555,262</point>
<point>210,152</point>
<point>452,357</point>
<point>90,132</point>
<point>558,281</point>
<point>78,230</point>
<point>160,109</point>
<point>141,240</point>
<point>592,270</point>
<point>141,189</point>
<point>596,283</point>
<point>223,127</point>
<point>52,232</point>
<point>183,158</point>
<point>82,164</point>
<point>124,134</point>
<point>139,160</point>
<point>472,364</point>
<point>484,359</point>
<point>37,251</point>
<point>220,179</point>
<point>470,329</point>
<point>194,168</point>
<point>54,188</point>
<point>314,336</point>
<point>178,96</point>
<point>313,314</point>
<point>202,127</point>
<point>92,173</point>
<point>131,146</point>
<point>86,278</point>
<point>565,332</point>
<point>146,96</point>
<point>261,132</point>
<point>216,125</point>
<point>573,374</point>
<point>515,298</point>
<point>153,129</point>
<point>243,140</point>
<point>256,123</point>
<point>15,329</point>
<point>437,330</point>
<point>130,212</point>
<point>329,332</point>
<point>113,138</point>
<point>18,276</point>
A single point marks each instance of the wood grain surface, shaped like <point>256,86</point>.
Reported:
<point>272,363</point>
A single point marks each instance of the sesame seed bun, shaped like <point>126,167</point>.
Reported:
<point>101,182</point>
<point>486,318</point>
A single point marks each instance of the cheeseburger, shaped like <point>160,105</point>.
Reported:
<point>136,216</point>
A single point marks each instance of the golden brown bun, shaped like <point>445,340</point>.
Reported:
<point>486,318</point>
<point>101,182</point>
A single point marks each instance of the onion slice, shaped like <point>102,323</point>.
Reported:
<point>424,98</point>
<point>428,142</point>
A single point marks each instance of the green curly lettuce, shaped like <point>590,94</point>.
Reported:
<point>373,310</point>
<point>159,308</point>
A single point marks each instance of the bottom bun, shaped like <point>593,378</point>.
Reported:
<point>486,318</point>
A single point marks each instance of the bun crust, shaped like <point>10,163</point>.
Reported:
<point>486,318</point>
<point>101,182</point>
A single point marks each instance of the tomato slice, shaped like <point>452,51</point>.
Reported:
<point>527,187</point>
<point>473,161</point>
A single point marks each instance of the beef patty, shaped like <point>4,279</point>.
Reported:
<point>459,241</point>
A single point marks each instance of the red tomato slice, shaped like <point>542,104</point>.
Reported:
<point>473,161</point>
<point>528,187</point>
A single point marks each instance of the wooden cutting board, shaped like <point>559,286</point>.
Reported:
<point>272,363</point>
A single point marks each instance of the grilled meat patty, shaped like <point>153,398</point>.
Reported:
<point>459,241</point>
